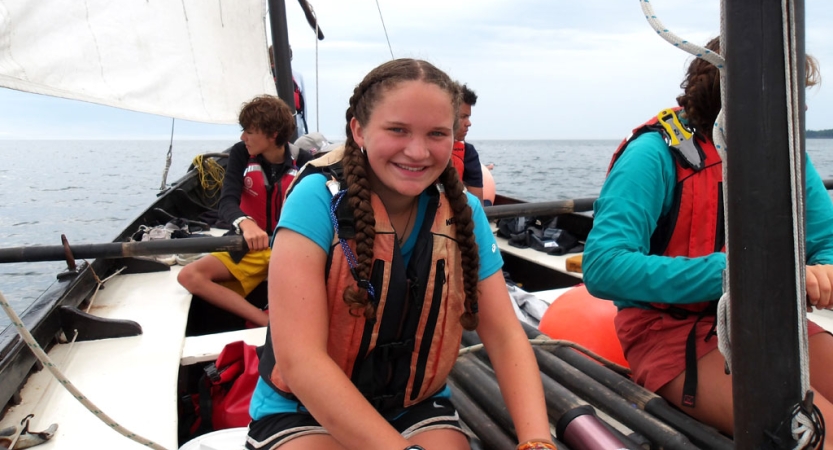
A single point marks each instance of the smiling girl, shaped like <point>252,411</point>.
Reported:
<point>381,261</point>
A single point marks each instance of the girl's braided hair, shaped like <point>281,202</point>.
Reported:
<point>366,96</point>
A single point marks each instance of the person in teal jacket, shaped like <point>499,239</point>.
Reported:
<point>619,265</point>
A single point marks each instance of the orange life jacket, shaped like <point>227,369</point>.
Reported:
<point>405,355</point>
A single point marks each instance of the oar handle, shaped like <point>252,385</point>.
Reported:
<point>124,249</point>
<point>540,208</point>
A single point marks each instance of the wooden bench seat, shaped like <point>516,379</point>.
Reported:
<point>206,348</point>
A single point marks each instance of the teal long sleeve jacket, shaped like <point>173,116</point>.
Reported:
<point>638,191</point>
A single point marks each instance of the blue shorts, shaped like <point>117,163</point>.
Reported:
<point>275,430</point>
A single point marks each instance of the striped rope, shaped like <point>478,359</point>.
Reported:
<point>64,381</point>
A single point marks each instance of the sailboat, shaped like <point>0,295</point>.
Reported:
<point>130,339</point>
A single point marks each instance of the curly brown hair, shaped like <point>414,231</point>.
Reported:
<point>701,89</point>
<point>366,96</point>
<point>269,114</point>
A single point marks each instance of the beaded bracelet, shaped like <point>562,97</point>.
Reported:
<point>536,445</point>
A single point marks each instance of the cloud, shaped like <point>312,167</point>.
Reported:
<point>543,69</point>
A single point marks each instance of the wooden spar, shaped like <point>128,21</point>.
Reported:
<point>608,401</point>
<point>560,400</point>
<point>762,256</point>
<point>311,19</point>
<point>281,55</point>
<point>490,434</point>
<point>700,434</point>
<point>478,381</point>
<point>765,362</point>
<point>539,209</point>
<point>123,249</point>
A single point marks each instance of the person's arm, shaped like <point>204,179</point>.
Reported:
<point>819,240</point>
<point>513,360</point>
<point>229,205</point>
<point>230,195</point>
<point>616,263</point>
<point>299,318</point>
<point>509,350</point>
<point>819,217</point>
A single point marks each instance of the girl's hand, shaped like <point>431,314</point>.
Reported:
<point>256,238</point>
<point>820,286</point>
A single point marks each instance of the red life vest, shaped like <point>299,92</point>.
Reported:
<point>406,354</point>
<point>260,199</point>
<point>458,157</point>
<point>694,226</point>
<point>299,97</point>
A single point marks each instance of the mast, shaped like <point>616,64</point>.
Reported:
<point>762,255</point>
<point>281,54</point>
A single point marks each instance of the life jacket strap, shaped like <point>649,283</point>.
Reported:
<point>352,261</point>
<point>690,380</point>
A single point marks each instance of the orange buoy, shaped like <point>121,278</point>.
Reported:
<point>579,317</point>
<point>488,184</point>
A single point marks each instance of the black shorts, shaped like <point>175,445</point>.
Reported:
<point>277,429</point>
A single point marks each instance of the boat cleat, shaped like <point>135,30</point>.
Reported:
<point>19,437</point>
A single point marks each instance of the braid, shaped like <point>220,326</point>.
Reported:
<point>358,197</point>
<point>469,256</point>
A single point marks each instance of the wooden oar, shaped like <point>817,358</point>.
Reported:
<point>540,208</point>
<point>123,249</point>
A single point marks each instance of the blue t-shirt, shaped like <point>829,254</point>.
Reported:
<point>637,192</point>
<point>307,212</point>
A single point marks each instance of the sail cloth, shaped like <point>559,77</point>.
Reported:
<point>191,59</point>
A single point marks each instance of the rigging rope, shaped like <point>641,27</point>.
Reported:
<point>168,159</point>
<point>803,429</point>
<point>30,341</point>
<point>385,28</point>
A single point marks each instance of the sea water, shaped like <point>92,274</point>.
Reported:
<point>91,190</point>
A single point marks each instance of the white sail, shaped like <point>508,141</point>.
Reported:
<point>190,59</point>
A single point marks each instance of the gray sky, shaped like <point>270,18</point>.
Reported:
<point>543,69</point>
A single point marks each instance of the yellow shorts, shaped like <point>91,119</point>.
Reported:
<point>248,273</point>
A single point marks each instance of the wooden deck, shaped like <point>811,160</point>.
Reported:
<point>127,378</point>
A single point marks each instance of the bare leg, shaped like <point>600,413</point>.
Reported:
<point>714,393</point>
<point>714,387</point>
<point>445,439</point>
<point>821,365</point>
<point>201,278</point>
<point>312,441</point>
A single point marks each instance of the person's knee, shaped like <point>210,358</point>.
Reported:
<point>189,277</point>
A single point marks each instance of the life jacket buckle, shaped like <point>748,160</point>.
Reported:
<point>394,350</point>
<point>681,138</point>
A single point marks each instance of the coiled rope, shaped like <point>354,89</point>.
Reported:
<point>56,372</point>
<point>211,176</point>
<point>803,429</point>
